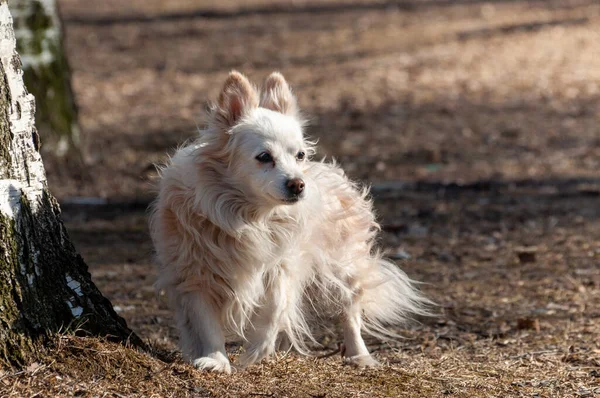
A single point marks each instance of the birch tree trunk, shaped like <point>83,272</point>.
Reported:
<point>44,283</point>
<point>47,74</point>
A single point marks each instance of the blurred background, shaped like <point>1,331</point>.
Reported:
<point>476,122</point>
<point>453,91</point>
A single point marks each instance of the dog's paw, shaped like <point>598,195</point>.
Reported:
<point>254,354</point>
<point>217,362</point>
<point>362,361</point>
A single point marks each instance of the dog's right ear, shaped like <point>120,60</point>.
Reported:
<point>237,97</point>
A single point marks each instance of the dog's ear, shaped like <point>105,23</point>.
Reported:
<point>237,97</point>
<point>277,96</point>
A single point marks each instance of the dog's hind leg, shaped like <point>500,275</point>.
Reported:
<point>283,342</point>
<point>266,323</point>
<point>202,341</point>
<point>355,351</point>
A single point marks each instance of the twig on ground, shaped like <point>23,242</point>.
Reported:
<point>339,349</point>
<point>534,353</point>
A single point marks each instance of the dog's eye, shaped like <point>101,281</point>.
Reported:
<point>265,157</point>
<point>300,155</point>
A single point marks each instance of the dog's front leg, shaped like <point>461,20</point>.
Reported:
<point>202,341</point>
<point>355,351</point>
<point>266,323</point>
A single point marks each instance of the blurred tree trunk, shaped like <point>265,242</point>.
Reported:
<point>47,74</point>
<point>44,283</point>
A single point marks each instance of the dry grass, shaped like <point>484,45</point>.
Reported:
<point>501,94</point>
<point>87,367</point>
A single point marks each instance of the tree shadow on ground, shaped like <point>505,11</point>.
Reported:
<point>170,46</point>
<point>277,9</point>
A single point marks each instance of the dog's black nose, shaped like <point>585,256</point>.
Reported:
<point>295,186</point>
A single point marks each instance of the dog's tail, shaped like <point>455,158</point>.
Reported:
<point>391,300</point>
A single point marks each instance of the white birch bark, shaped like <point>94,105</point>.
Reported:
<point>21,168</point>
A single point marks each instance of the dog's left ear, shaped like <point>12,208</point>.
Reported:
<point>277,96</point>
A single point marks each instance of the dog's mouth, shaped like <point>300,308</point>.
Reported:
<point>291,200</point>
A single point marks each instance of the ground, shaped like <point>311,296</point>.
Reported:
<point>476,122</point>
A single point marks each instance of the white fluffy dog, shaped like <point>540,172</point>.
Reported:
<point>253,237</point>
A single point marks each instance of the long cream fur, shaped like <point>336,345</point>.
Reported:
<point>239,261</point>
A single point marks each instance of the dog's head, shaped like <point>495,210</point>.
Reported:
<point>262,135</point>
